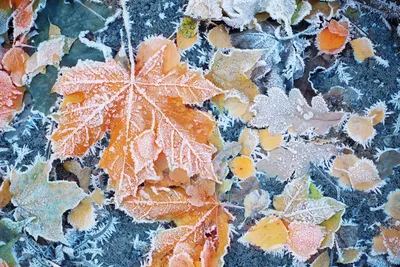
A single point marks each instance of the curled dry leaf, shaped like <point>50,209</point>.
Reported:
<point>15,61</point>
<point>333,37</point>
<point>392,206</point>
<point>10,99</point>
<point>202,232</point>
<point>361,129</point>
<point>278,112</point>
<point>242,167</point>
<point>34,196</point>
<point>304,239</point>
<point>270,234</point>
<point>5,194</point>
<point>363,48</point>
<point>99,97</point>
<point>255,202</point>
<point>364,175</point>
<point>293,158</point>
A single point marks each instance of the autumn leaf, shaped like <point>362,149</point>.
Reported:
<point>10,99</point>
<point>363,48</point>
<point>304,222</point>
<point>232,73</point>
<point>350,255</point>
<point>304,239</point>
<point>35,197</point>
<point>333,37</point>
<point>24,15</point>
<point>99,97</point>
<point>15,61</point>
<point>293,158</point>
<point>201,235</point>
<point>5,195</point>
<point>48,53</point>
<point>391,240</point>
<point>323,260</point>
<point>278,112</point>
<point>270,234</point>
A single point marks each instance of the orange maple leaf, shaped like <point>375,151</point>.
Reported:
<point>10,99</point>
<point>145,112</point>
<point>201,237</point>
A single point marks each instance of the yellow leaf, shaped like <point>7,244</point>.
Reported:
<point>331,226</point>
<point>323,260</point>
<point>82,216</point>
<point>269,141</point>
<point>242,167</point>
<point>219,37</point>
<point>269,234</point>
<point>350,255</point>
<point>5,194</point>
<point>362,48</point>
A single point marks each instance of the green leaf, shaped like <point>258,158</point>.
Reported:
<point>314,192</point>
<point>10,232</point>
<point>34,196</point>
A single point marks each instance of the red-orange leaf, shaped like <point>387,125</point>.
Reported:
<point>145,113</point>
<point>10,99</point>
<point>15,61</point>
<point>202,233</point>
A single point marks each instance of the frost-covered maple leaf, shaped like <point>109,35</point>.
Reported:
<point>42,201</point>
<point>145,110</point>
<point>278,112</point>
<point>201,237</point>
<point>10,99</point>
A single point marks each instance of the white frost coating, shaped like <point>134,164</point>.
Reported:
<point>278,112</point>
<point>107,52</point>
<point>293,158</point>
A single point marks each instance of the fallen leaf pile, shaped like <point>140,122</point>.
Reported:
<point>211,139</point>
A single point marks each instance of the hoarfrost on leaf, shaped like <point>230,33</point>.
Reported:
<point>35,197</point>
<point>293,158</point>
<point>278,112</point>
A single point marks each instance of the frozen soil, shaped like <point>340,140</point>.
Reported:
<point>129,243</point>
